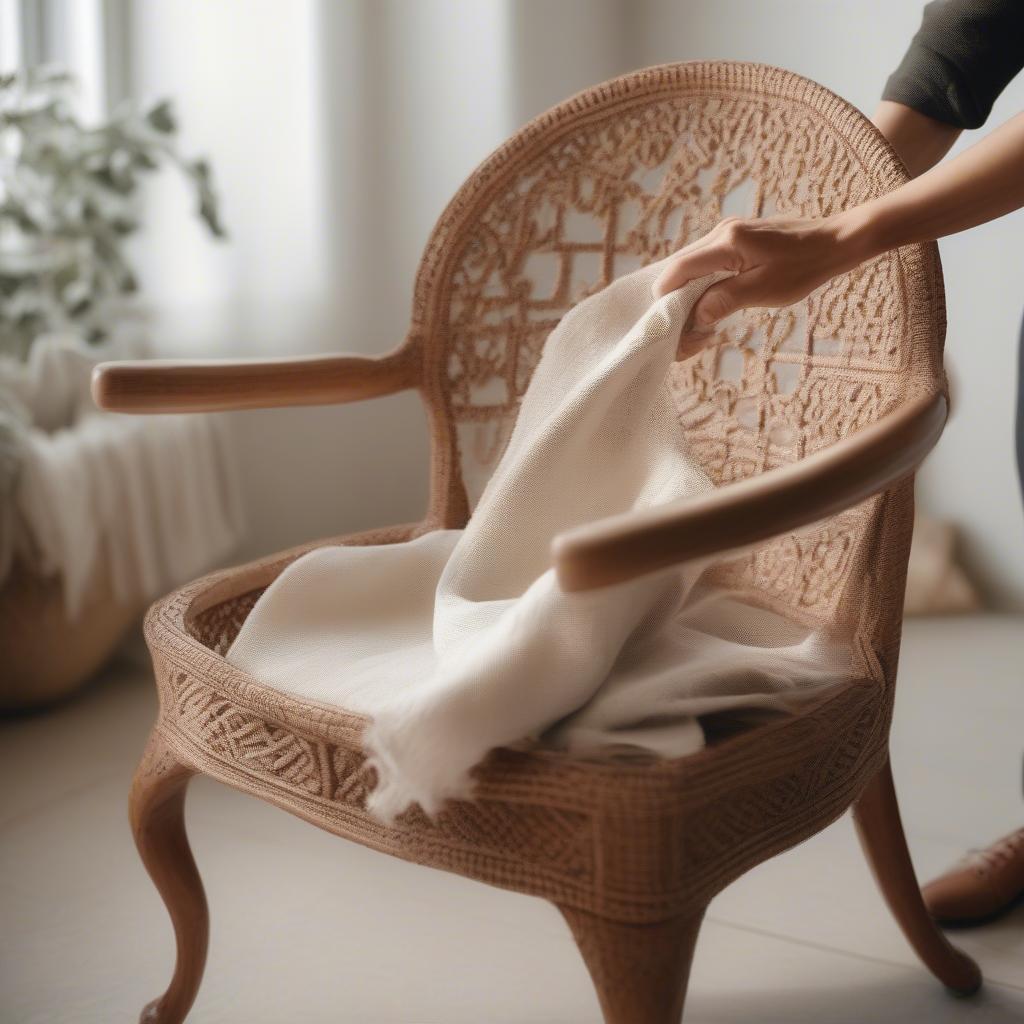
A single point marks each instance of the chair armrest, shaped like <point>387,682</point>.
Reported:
<point>215,385</point>
<point>734,517</point>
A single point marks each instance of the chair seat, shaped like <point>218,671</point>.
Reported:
<point>634,841</point>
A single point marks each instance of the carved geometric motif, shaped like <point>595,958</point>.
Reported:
<point>338,774</point>
<point>616,193</point>
<point>536,834</point>
<point>246,740</point>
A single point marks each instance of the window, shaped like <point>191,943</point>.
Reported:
<point>88,37</point>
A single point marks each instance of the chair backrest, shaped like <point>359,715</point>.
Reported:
<point>622,175</point>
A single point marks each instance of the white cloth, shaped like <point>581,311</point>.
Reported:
<point>461,641</point>
<point>157,496</point>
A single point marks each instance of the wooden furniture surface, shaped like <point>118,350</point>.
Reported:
<point>811,420</point>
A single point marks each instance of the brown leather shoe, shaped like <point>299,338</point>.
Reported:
<point>984,885</point>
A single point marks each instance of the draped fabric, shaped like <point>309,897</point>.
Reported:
<point>461,641</point>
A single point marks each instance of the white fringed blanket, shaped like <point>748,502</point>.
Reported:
<point>155,497</point>
<point>461,641</point>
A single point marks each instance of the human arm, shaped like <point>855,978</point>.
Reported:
<point>962,57</point>
<point>959,61</point>
<point>920,141</point>
<point>779,260</point>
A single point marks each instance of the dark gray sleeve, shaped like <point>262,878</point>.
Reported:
<point>961,59</point>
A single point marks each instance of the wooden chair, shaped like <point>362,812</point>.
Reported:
<point>815,414</point>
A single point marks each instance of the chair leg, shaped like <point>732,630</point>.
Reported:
<point>640,971</point>
<point>877,817</point>
<point>158,823</point>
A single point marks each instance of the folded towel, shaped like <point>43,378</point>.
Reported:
<point>461,640</point>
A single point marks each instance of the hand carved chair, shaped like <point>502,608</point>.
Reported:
<point>811,419</point>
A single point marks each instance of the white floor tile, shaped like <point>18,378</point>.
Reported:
<point>99,732</point>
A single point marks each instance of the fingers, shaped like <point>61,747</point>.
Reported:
<point>715,304</point>
<point>726,297</point>
<point>693,341</point>
<point>692,262</point>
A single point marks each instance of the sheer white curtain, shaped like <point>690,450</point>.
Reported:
<point>338,130</point>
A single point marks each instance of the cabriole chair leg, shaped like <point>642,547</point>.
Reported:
<point>640,971</point>
<point>877,817</point>
<point>158,823</point>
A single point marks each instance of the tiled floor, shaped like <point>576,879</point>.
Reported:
<point>307,928</point>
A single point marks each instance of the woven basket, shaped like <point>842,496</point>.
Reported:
<point>46,654</point>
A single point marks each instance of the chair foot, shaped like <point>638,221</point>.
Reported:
<point>877,817</point>
<point>158,823</point>
<point>641,971</point>
<point>152,1013</point>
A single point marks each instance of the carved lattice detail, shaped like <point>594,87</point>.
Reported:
<point>624,190</point>
<point>247,740</point>
<point>336,773</point>
<point>218,626</point>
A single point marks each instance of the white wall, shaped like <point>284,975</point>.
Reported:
<point>339,129</point>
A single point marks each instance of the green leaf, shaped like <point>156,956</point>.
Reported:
<point>210,215</point>
<point>76,298</point>
<point>161,118</point>
<point>117,179</point>
<point>143,160</point>
<point>124,225</point>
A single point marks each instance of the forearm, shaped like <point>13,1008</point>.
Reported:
<point>920,141</point>
<point>981,184</point>
<point>776,261</point>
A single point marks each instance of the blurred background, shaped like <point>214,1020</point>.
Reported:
<point>338,129</point>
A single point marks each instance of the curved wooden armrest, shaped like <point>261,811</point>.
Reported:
<point>622,547</point>
<point>215,385</point>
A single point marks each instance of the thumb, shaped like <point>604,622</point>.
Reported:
<point>720,300</point>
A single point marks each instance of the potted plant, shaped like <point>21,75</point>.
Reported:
<point>72,574</point>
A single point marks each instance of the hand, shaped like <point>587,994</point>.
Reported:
<point>777,261</point>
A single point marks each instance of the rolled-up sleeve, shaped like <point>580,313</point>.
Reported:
<point>963,56</point>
